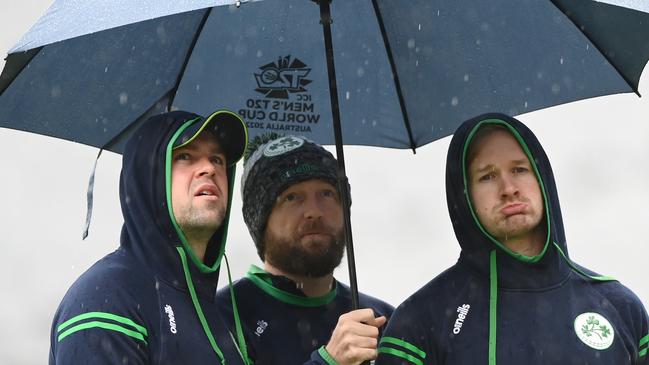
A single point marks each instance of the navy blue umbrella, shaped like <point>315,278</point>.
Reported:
<point>385,73</point>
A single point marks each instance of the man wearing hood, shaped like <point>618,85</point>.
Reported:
<point>151,301</point>
<point>293,310</point>
<point>514,296</point>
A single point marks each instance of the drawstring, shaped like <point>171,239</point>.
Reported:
<point>197,306</point>
<point>243,349</point>
<point>581,272</point>
<point>493,306</point>
<point>89,198</point>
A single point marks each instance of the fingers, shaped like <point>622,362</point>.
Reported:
<point>355,337</point>
<point>377,322</point>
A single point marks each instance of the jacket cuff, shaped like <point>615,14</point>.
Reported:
<point>321,356</point>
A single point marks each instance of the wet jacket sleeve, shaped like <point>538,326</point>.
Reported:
<point>405,342</point>
<point>98,323</point>
<point>643,340</point>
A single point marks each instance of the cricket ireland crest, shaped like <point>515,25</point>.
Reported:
<point>594,330</point>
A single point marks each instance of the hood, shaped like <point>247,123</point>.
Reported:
<point>515,271</point>
<point>149,230</point>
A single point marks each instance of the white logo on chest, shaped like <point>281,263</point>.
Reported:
<point>172,319</point>
<point>594,330</point>
<point>261,327</point>
<point>463,312</point>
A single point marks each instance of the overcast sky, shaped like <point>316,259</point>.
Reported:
<point>599,150</point>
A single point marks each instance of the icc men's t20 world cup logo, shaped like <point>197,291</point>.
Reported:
<point>286,106</point>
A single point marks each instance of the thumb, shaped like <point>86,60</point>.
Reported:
<point>377,322</point>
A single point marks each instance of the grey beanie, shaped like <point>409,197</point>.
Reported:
<point>274,166</point>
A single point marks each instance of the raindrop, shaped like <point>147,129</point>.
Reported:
<point>466,77</point>
<point>419,26</point>
<point>123,98</point>
<point>526,104</point>
<point>158,82</point>
<point>556,88</point>
<point>417,63</point>
<point>260,53</point>
<point>55,92</point>
<point>587,46</point>
<point>360,72</point>
<point>455,101</point>
<point>281,38</point>
<point>363,121</point>
<point>198,87</point>
<point>437,12</point>
<point>478,42</point>
<point>162,34</point>
<point>411,43</point>
<point>240,49</point>
<point>347,95</point>
<point>539,75</point>
<point>374,123</point>
<point>561,61</point>
<point>106,69</point>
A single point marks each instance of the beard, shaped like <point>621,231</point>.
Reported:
<point>306,257</point>
<point>197,219</point>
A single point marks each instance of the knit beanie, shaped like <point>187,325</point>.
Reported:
<point>270,168</point>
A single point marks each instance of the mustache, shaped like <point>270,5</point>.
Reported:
<point>315,226</point>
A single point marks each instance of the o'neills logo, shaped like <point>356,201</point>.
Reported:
<point>172,319</point>
<point>462,311</point>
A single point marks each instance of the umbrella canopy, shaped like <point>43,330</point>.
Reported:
<point>408,73</point>
<point>89,69</point>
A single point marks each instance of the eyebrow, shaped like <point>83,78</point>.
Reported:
<point>192,147</point>
<point>515,162</point>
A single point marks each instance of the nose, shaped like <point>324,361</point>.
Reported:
<point>206,167</point>
<point>509,187</point>
<point>312,208</point>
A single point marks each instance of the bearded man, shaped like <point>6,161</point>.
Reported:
<point>293,311</point>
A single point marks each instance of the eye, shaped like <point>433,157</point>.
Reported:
<point>328,193</point>
<point>488,176</point>
<point>291,197</point>
<point>218,160</point>
<point>182,156</point>
<point>520,170</point>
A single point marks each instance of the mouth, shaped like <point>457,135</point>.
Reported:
<point>513,209</point>
<point>207,190</point>
<point>316,235</point>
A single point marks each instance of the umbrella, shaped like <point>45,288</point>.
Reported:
<point>406,73</point>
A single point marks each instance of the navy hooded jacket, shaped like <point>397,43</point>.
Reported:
<point>282,325</point>
<point>495,306</point>
<point>151,301</point>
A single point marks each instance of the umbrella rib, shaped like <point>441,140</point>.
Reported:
<point>395,75</point>
<point>585,33</point>
<point>199,30</point>
<point>24,58</point>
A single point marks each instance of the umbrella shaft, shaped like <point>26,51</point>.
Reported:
<point>343,184</point>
